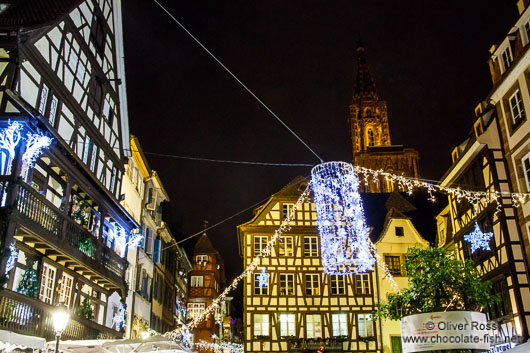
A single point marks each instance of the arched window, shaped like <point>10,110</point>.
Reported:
<point>371,138</point>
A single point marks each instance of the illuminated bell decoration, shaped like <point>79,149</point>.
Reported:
<point>340,219</point>
<point>478,240</point>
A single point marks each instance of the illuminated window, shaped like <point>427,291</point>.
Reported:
<point>362,283</point>
<point>285,246</point>
<point>47,283</point>
<point>365,325</point>
<point>286,284</point>
<point>393,264</point>
<point>287,208</point>
<point>260,243</point>
<point>526,170</point>
<point>287,325</point>
<point>339,322</point>
<point>260,290</point>
<point>312,284</point>
<point>516,107</point>
<point>195,310</point>
<point>311,246</point>
<point>261,325</point>
<point>313,326</point>
<point>65,290</point>
<point>337,284</point>
<point>201,259</point>
<point>197,281</point>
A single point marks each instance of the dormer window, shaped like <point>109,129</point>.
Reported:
<point>400,232</point>
<point>507,58</point>
<point>517,108</point>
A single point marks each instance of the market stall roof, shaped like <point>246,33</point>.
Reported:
<point>158,344</point>
<point>10,340</point>
<point>521,348</point>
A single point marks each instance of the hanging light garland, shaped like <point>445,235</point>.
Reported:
<point>216,303</point>
<point>478,239</point>
<point>223,347</point>
<point>13,256</point>
<point>340,219</point>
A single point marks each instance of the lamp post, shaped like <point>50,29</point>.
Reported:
<point>60,317</point>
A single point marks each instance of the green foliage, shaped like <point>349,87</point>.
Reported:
<point>85,311</point>
<point>85,245</point>
<point>437,281</point>
<point>29,285</point>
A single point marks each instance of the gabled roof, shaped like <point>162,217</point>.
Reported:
<point>204,246</point>
<point>34,13</point>
<point>398,202</point>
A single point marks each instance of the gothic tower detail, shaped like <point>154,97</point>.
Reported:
<point>370,131</point>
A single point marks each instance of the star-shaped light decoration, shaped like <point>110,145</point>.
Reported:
<point>478,240</point>
<point>263,278</point>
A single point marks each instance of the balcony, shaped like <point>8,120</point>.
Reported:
<point>310,346</point>
<point>47,229</point>
<point>29,316</point>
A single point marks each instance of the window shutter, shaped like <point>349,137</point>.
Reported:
<point>156,254</point>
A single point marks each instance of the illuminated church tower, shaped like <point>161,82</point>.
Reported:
<point>371,134</point>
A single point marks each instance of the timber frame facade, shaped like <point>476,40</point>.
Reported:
<point>62,75</point>
<point>480,161</point>
<point>301,307</point>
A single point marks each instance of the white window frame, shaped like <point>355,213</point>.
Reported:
<point>261,325</point>
<point>47,283</point>
<point>65,294</point>
<point>195,310</point>
<point>260,290</point>
<point>286,246</point>
<point>313,326</point>
<point>339,323</point>
<point>507,57</point>
<point>517,109</point>
<point>338,284</point>
<point>286,210</point>
<point>197,281</point>
<point>525,163</point>
<point>201,259</point>
<point>288,279</point>
<point>43,99</point>
<point>365,325</point>
<point>287,324</point>
<point>260,243</point>
<point>362,284</point>
<point>311,246</point>
<point>310,280</point>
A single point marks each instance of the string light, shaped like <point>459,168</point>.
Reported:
<point>13,256</point>
<point>35,144</point>
<point>223,347</point>
<point>266,251</point>
<point>119,317</point>
<point>263,278</point>
<point>478,239</point>
<point>9,139</point>
<point>340,220</point>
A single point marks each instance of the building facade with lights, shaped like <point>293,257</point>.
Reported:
<point>509,66</point>
<point>370,132</point>
<point>480,164</point>
<point>63,78</point>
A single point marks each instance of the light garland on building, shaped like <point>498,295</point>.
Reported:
<point>13,256</point>
<point>9,139</point>
<point>263,278</point>
<point>35,144</point>
<point>119,317</point>
<point>478,239</point>
<point>225,347</point>
<point>340,219</point>
<point>216,303</point>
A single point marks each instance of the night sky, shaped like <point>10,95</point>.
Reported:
<point>429,60</point>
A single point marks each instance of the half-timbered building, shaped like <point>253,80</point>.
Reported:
<point>62,79</point>
<point>479,164</point>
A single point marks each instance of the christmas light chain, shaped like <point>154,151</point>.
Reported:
<point>409,184</point>
<point>285,226</point>
<point>223,347</point>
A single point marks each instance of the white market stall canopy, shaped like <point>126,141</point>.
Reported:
<point>11,340</point>
<point>158,344</point>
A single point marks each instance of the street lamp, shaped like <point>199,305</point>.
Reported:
<point>60,317</point>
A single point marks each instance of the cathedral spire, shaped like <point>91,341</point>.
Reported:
<point>364,86</point>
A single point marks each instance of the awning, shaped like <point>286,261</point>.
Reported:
<point>10,340</point>
<point>152,344</point>
<point>521,348</point>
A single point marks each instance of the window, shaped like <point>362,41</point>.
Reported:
<point>286,284</point>
<point>197,281</point>
<point>312,284</point>
<point>507,58</point>
<point>400,232</point>
<point>526,171</point>
<point>287,208</point>
<point>47,283</point>
<point>517,108</point>
<point>65,290</point>
<point>43,99</point>
<point>503,307</point>
<point>98,33</point>
<point>156,251</point>
<point>260,243</point>
<point>261,325</point>
<point>337,284</point>
<point>340,324</point>
<point>313,326</point>
<point>201,259</point>
<point>365,325</point>
<point>287,325</point>
<point>258,290</point>
<point>362,284</point>
<point>396,344</point>
<point>95,95</point>
<point>53,110</point>
<point>285,246</point>
<point>87,151</point>
<point>311,246</point>
<point>393,265</point>
<point>195,310</point>
<point>371,138</point>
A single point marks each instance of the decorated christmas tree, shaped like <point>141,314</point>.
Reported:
<point>85,311</point>
<point>29,285</point>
